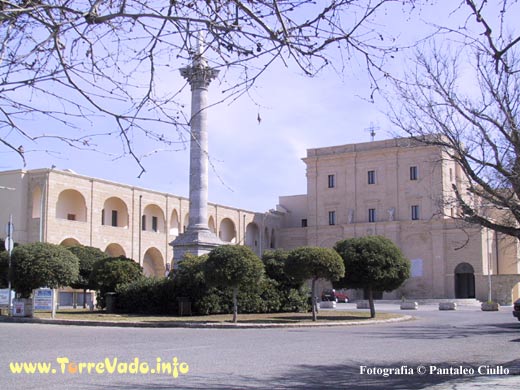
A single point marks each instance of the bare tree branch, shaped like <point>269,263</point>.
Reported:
<point>72,63</point>
<point>465,98</point>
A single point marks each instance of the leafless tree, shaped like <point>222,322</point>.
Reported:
<point>464,95</point>
<point>68,65</point>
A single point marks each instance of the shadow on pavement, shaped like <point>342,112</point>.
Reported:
<point>329,377</point>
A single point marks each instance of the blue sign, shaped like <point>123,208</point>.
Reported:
<point>43,299</point>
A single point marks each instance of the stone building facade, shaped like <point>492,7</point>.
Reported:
<point>62,207</point>
<point>397,188</point>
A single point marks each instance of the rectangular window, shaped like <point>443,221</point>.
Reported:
<point>304,222</point>
<point>332,183</point>
<point>143,223</point>
<point>332,217</point>
<point>71,217</point>
<point>114,218</point>
<point>155,224</point>
<point>371,215</point>
<point>371,177</point>
<point>415,212</point>
<point>414,174</point>
<point>103,217</point>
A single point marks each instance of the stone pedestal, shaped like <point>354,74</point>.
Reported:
<point>196,242</point>
<point>327,305</point>
<point>489,306</point>
<point>408,305</point>
<point>447,306</point>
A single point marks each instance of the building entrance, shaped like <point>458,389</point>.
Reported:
<point>464,281</point>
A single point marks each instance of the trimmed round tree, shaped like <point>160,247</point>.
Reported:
<point>314,263</point>
<point>87,256</point>
<point>235,267</point>
<point>111,272</point>
<point>42,264</point>
<point>373,263</point>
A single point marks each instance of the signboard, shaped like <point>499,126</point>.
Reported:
<point>4,296</point>
<point>19,309</point>
<point>42,299</point>
<point>9,244</point>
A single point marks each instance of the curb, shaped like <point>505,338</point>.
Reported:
<point>202,325</point>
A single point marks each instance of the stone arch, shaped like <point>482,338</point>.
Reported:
<point>71,205</point>
<point>37,202</point>
<point>115,213</point>
<point>464,281</point>
<point>115,250</point>
<point>186,222</point>
<point>211,225</point>
<point>152,219</point>
<point>153,263</point>
<point>174,223</point>
<point>253,236</point>
<point>70,241</point>
<point>227,231</point>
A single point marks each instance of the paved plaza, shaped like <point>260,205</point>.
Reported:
<point>437,350</point>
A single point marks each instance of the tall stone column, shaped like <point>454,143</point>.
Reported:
<point>197,239</point>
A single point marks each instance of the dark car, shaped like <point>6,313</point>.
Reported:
<point>516,309</point>
<point>333,295</point>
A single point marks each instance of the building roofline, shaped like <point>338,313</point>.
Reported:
<point>367,146</point>
<point>106,181</point>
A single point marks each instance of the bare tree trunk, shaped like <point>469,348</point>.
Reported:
<point>84,298</point>
<point>314,302</point>
<point>235,305</point>
<point>371,303</point>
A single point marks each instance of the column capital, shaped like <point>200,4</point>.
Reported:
<point>199,75</point>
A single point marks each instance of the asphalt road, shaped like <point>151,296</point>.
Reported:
<point>437,350</point>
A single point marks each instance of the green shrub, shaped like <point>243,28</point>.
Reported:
<point>147,295</point>
<point>159,296</point>
<point>110,273</point>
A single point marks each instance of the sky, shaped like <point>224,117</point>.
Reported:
<point>252,162</point>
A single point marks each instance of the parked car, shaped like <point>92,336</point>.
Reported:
<point>516,309</point>
<point>333,295</point>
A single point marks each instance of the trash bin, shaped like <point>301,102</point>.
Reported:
<point>110,302</point>
<point>184,306</point>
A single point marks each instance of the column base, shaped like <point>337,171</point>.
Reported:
<point>194,241</point>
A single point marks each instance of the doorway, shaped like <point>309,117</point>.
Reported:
<point>464,281</point>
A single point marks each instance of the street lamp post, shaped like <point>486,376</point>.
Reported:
<point>9,244</point>
<point>489,266</point>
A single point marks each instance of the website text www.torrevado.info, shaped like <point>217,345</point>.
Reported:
<point>65,366</point>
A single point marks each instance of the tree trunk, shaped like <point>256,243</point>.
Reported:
<point>314,301</point>
<point>84,298</point>
<point>235,305</point>
<point>371,303</point>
